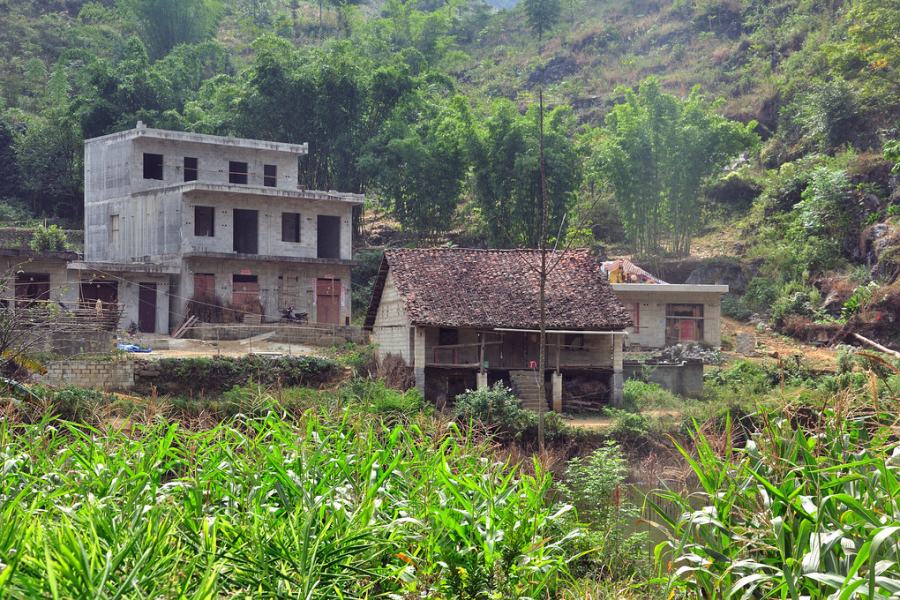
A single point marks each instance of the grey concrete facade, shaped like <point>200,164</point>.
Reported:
<point>170,211</point>
<point>649,306</point>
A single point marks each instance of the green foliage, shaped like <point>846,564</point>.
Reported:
<point>420,163</point>
<point>857,303</point>
<point>795,513</point>
<point>761,293</point>
<point>286,509</point>
<point>50,156</point>
<point>49,239</point>
<point>493,407</point>
<point>826,206</point>
<point>164,24</point>
<point>627,426</point>
<point>594,485</point>
<point>211,376</point>
<point>828,113</point>
<point>507,172</point>
<point>892,153</point>
<point>736,308</point>
<point>657,151</point>
<point>542,15</point>
<point>374,397</point>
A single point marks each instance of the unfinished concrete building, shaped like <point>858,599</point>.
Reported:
<point>173,218</point>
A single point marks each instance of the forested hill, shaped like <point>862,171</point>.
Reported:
<point>764,129</point>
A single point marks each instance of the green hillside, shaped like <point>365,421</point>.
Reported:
<point>739,132</point>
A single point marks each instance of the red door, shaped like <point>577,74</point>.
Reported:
<point>687,331</point>
<point>328,301</point>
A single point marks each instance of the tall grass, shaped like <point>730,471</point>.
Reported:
<point>263,507</point>
<point>808,509</point>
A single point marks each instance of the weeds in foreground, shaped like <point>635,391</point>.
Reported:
<point>261,507</point>
<point>807,509</point>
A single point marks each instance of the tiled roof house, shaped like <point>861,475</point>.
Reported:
<point>462,318</point>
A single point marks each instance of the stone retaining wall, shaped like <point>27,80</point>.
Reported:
<point>314,335</point>
<point>107,376</point>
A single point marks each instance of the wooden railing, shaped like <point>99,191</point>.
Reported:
<point>470,355</point>
<point>45,314</point>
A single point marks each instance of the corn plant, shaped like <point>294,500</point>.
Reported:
<point>329,506</point>
<point>794,514</point>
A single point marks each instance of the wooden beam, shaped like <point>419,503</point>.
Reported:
<point>876,345</point>
<point>257,338</point>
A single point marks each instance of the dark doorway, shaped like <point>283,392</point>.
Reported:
<point>107,292</point>
<point>329,237</point>
<point>246,231</point>
<point>328,301</point>
<point>32,286</point>
<point>147,308</point>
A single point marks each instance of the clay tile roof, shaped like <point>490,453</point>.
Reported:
<point>458,287</point>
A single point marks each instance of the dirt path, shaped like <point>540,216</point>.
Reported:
<point>197,348</point>
<point>767,344</point>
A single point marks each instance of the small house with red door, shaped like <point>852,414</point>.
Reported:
<point>179,223</point>
<point>664,315</point>
<point>464,318</point>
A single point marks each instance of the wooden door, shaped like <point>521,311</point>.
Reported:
<point>245,290</point>
<point>204,287</point>
<point>328,301</point>
<point>147,308</point>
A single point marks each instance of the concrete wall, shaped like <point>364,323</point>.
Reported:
<point>71,343</point>
<point>63,283</point>
<point>653,299</point>
<point>270,209</point>
<point>293,289</point>
<point>107,376</point>
<point>391,332</point>
<point>684,379</point>
<point>129,290</point>
<point>114,164</point>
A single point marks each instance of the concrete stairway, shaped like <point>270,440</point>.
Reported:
<point>529,390</point>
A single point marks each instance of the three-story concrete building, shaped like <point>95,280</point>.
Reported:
<point>174,217</point>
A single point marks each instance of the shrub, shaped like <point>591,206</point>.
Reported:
<point>377,398</point>
<point>493,407</point>
<point>594,485</point>
<point>735,308</point>
<point>49,239</point>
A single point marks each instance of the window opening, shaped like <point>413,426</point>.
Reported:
<point>270,175</point>
<point>290,227</point>
<point>190,168</point>
<point>246,231</point>
<point>153,166</point>
<point>113,229</point>
<point>328,241</point>
<point>237,172</point>
<point>204,221</point>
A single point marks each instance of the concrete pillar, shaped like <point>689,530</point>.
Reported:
<point>618,374</point>
<point>419,360</point>
<point>557,392</point>
<point>481,379</point>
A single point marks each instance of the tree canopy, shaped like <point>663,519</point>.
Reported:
<point>655,152</point>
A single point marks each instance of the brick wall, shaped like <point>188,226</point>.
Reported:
<point>108,376</point>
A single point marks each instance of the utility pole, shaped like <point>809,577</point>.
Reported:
<point>542,361</point>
